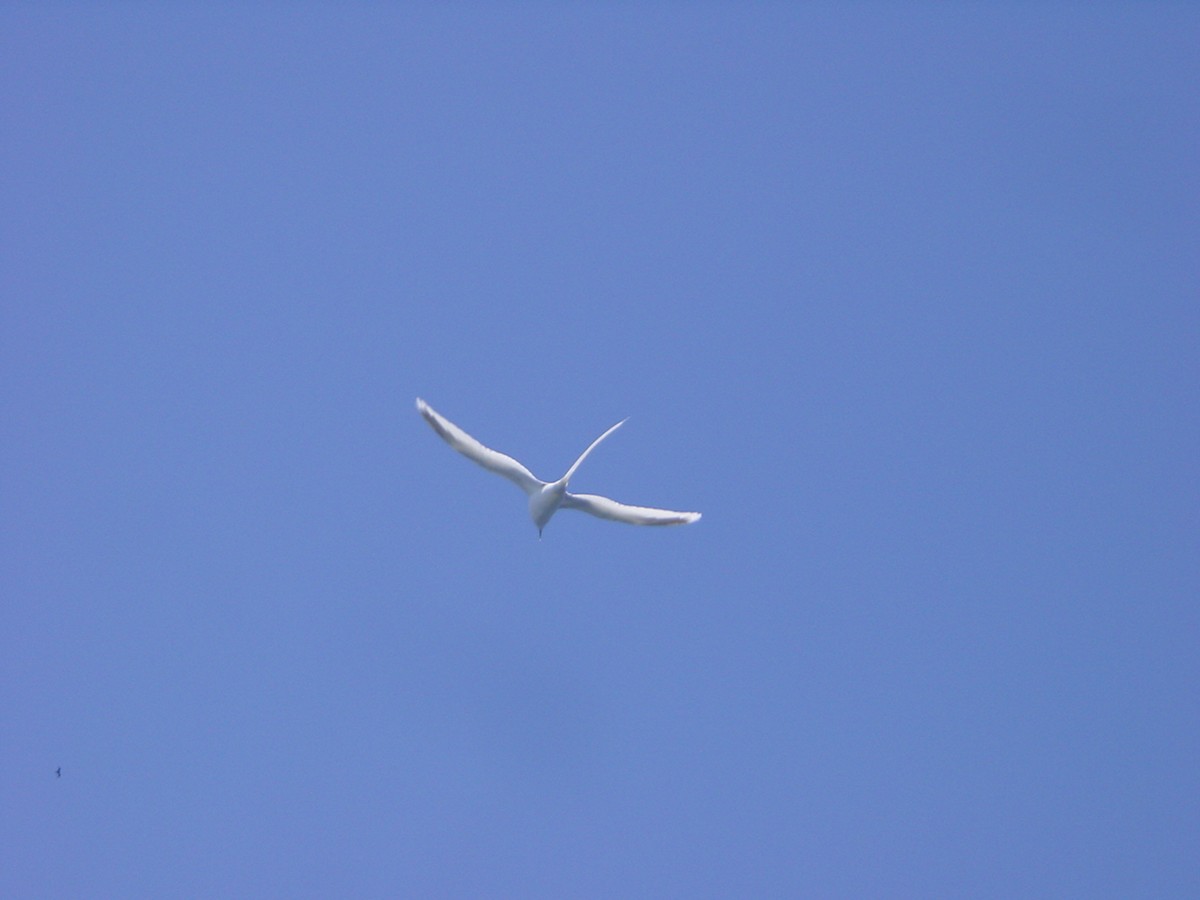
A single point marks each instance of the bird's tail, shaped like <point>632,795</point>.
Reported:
<point>571,471</point>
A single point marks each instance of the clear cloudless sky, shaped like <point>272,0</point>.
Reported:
<point>902,297</point>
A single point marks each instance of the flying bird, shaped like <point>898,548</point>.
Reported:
<point>546,498</point>
<point>58,772</point>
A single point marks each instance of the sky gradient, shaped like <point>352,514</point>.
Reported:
<point>901,297</point>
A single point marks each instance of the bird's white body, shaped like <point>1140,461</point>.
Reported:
<point>545,502</point>
<point>547,497</point>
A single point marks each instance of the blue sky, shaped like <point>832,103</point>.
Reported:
<point>902,297</point>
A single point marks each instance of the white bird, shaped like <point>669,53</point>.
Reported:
<point>546,498</point>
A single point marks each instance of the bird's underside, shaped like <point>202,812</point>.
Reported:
<point>546,498</point>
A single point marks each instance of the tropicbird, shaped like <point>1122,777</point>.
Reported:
<point>547,497</point>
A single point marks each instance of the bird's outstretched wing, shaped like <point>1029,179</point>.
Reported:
<point>604,508</point>
<point>492,460</point>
